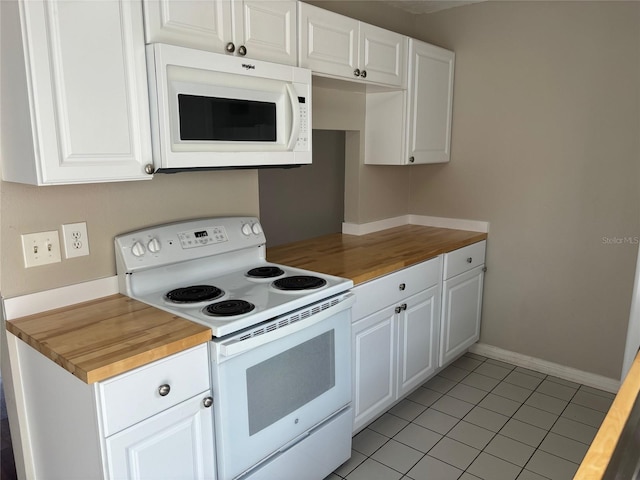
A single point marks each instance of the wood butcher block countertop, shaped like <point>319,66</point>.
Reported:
<point>602,448</point>
<point>101,338</point>
<point>365,257</point>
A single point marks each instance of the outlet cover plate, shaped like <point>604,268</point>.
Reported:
<point>41,248</point>
<point>76,240</point>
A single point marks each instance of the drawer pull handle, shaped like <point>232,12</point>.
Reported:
<point>207,402</point>
<point>402,286</point>
<point>164,390</point>
<point>469,260</point>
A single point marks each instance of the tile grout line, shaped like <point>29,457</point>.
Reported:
<point>455,383</point>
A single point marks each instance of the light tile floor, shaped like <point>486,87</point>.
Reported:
<point>481,419</point>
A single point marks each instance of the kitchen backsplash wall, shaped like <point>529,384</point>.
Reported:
<point>109,209</point>
<point>546,147</point>
<point>305,202</point>
<point>371,192</point>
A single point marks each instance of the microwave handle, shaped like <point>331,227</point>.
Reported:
<point>295,110</point>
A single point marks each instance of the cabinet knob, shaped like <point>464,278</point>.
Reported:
<point>401,308</point>
<point>242,50</point>
<point>363,74</point>
<point>412,159</point>
<point>207,402</point>
<point>164,390</point>
<point>402,286</point>
<point>230,47</point>
<point>484,269</point>
<point>356,72</point>
<point>469,260</point>
<point>148,168</point>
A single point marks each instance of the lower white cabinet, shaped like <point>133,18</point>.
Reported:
<point>395,347</point>
<point>412,323</point>
<point>176,444</point>
<point>461,300</point>
<point>153,422</point>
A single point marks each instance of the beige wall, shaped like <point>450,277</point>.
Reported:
<point>108,209</point>
<point>305,202</point>
<point>546,148</point>
<point>371,192</point>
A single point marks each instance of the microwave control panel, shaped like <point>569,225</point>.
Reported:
<point>303,136</point>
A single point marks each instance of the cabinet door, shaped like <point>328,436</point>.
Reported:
<point>382,55</point>
<point>176,444</point>
<point>461,312</point>
<point>267,30</point>
<point>373,365</point>
<point>430,91</point>
<point>90,109</point>
<point>418,339</point>
<point>328,41</point>
<point>205,25</point>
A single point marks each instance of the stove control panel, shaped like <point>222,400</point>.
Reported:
<point>176,242</point>
<point>203,237</point>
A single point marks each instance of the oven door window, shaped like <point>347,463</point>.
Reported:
<point>204,118</point>
<point>305,371</point>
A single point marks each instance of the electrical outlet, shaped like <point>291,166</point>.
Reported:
<point>40,248</point>
<point>76,241</point>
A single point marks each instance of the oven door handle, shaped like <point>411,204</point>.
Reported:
<point>242,346</point>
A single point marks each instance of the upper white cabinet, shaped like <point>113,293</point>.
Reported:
<point>335,45</point>
<point>74,92</point>
<point>430,103</point>
<point>413,126</point>
<point>264,30</point>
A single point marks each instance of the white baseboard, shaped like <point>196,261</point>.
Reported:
<point>549,368</point>
<point>456,223</point>
<point>17,307</point>
<point>441,222</point>
<point>364,228</point>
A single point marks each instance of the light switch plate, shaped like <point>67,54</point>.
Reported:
<point>41,248</point>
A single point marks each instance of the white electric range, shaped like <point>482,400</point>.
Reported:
<point>281,348</point>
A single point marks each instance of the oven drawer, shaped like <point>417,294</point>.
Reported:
<point>141,393</point>
<point>464,259</point>
<point>378,293</point>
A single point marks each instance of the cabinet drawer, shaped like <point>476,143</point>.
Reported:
<point>134,396</point>
<point>464,259</point>
<point>394,287</point>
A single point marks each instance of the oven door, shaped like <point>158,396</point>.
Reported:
<point>269,396</point>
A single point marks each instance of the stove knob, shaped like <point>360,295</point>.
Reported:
<point>257,229</point>
<point>137,249</point>
<point>154,245</point>
<point>246,229</point>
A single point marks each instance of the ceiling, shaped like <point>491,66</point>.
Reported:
<point>428,6</point>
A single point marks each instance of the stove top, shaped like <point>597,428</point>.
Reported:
<point>214,272</point>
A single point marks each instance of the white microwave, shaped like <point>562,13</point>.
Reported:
<point>211,110</point>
